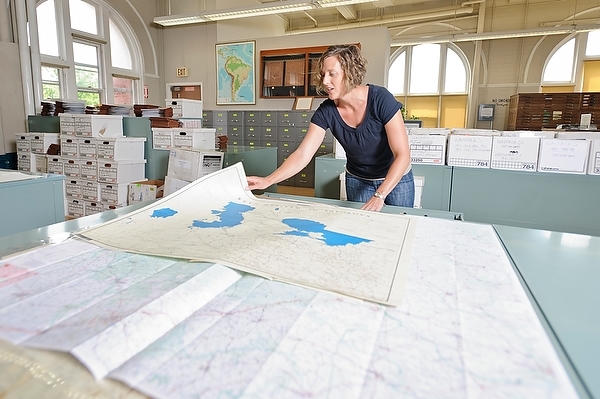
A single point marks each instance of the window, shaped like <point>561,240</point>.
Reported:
<point>93,57</point>
<point>436,78</point>
<point>564,70</point>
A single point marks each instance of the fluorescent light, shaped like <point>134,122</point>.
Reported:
<point>284,6</point>
<point>245,12</point>
<point>180,19</point>
<point>336,3</point>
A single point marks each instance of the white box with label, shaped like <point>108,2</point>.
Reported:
<point>162,138</point>
<point>110,171</point>
<point>55,164</point>
<point>90,190</point>
<point>72,167</point>
<point>23,142</point>
<point>89,169</point>
<point>190,164</point>
<point>69,146</point>
<point>73,187</point>
<point>40,142</point>
<point>194,138</point>
<point>428,149</point>
<point>121,148</point>
<point>471,151</point>
<point>594,158</point>
<point>67,124</point>
<point>92,207</point>
<point>75,207</point>
<point>99,125</point>
<point>88,147</point>
<point>563,156</point>
<point>515,153</point>
<point>185,108</point>
<point>114,193</point>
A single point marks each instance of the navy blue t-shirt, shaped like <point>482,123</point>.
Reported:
<point>368,154</point>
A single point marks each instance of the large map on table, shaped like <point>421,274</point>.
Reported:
<point>215,219</point>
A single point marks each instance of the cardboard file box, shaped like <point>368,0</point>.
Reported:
<point>88,148</point>
<point>92,207</point>
<point>145,191</point>
<point>55,164</point>
<point>110,171</point>
<point>121,148</point>
<point>469,151</point>
<point>563,156</point>
<point>67,124</point>
<point>189,164</point>
<point>114,193</point>
<point>89,169</point>
<point>162,138</point>
<point>515,153</point>
<point>73,188</point>
<point>75,207</point>
<point>90,190</point>
<point>185,108</point>
<point>40,142</point>
<point>172,184</point>
<point>69,146</point>
<point>594,158</point>
<point>428,149</point>
<point>23,142</point>
<point>72,167</point>
<point>194,138</point>
<point>101,126</point>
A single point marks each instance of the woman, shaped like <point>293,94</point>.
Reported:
<point>367,121</point>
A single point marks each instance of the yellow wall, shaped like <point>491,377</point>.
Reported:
<point>591,76</point>
<point>454,110</point>
<point>558,89</point>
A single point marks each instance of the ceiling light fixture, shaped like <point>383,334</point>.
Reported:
<point>245,12</point>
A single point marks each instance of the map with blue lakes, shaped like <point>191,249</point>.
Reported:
<point>215,219</point>
<point>170,328</point>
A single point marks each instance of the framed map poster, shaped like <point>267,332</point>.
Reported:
<point>235,73</point>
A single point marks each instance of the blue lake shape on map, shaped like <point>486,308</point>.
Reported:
<point>163,213</point>
<point>304,228</point>
<point>230,216</point>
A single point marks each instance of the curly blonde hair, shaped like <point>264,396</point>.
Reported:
<point>353,63</point>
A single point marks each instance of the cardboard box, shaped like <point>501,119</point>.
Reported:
<point>72,167</point>
<point>101,126</point>
<point>428,149</point>
<point>40,142</point>
<point>194,138</point>
<point>515,153</point>
<point>69,146</point>
<point>89,169</point>
<point>88,148</point>
<point>191,164</point>
<point>594,158</point>
<point>172,184</point>
<point>92,207</point>
<point>162,138</point>
<point>55,164</point>
<point>145,190</point>
<point>114,193</point>
<point>563,156</point>
<point>110,171</point>
<point>529,133</point>
<point>471,151</point>
<point>90,190</point>
<point>67,124</point>
<point>23,142</point>
<point>185,108</point>
<point>121,148</point>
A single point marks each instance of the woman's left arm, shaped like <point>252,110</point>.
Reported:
<point>398,141</point>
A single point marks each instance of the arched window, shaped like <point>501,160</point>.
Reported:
<point>87,52</point>
<point>566,71</point>
<point>431,81</point>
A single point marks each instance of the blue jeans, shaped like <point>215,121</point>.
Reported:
<point>360,190</point>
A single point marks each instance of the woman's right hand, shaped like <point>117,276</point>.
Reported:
<point>257,183</point>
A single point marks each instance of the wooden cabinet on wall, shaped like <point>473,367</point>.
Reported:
<point>537,111</point>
